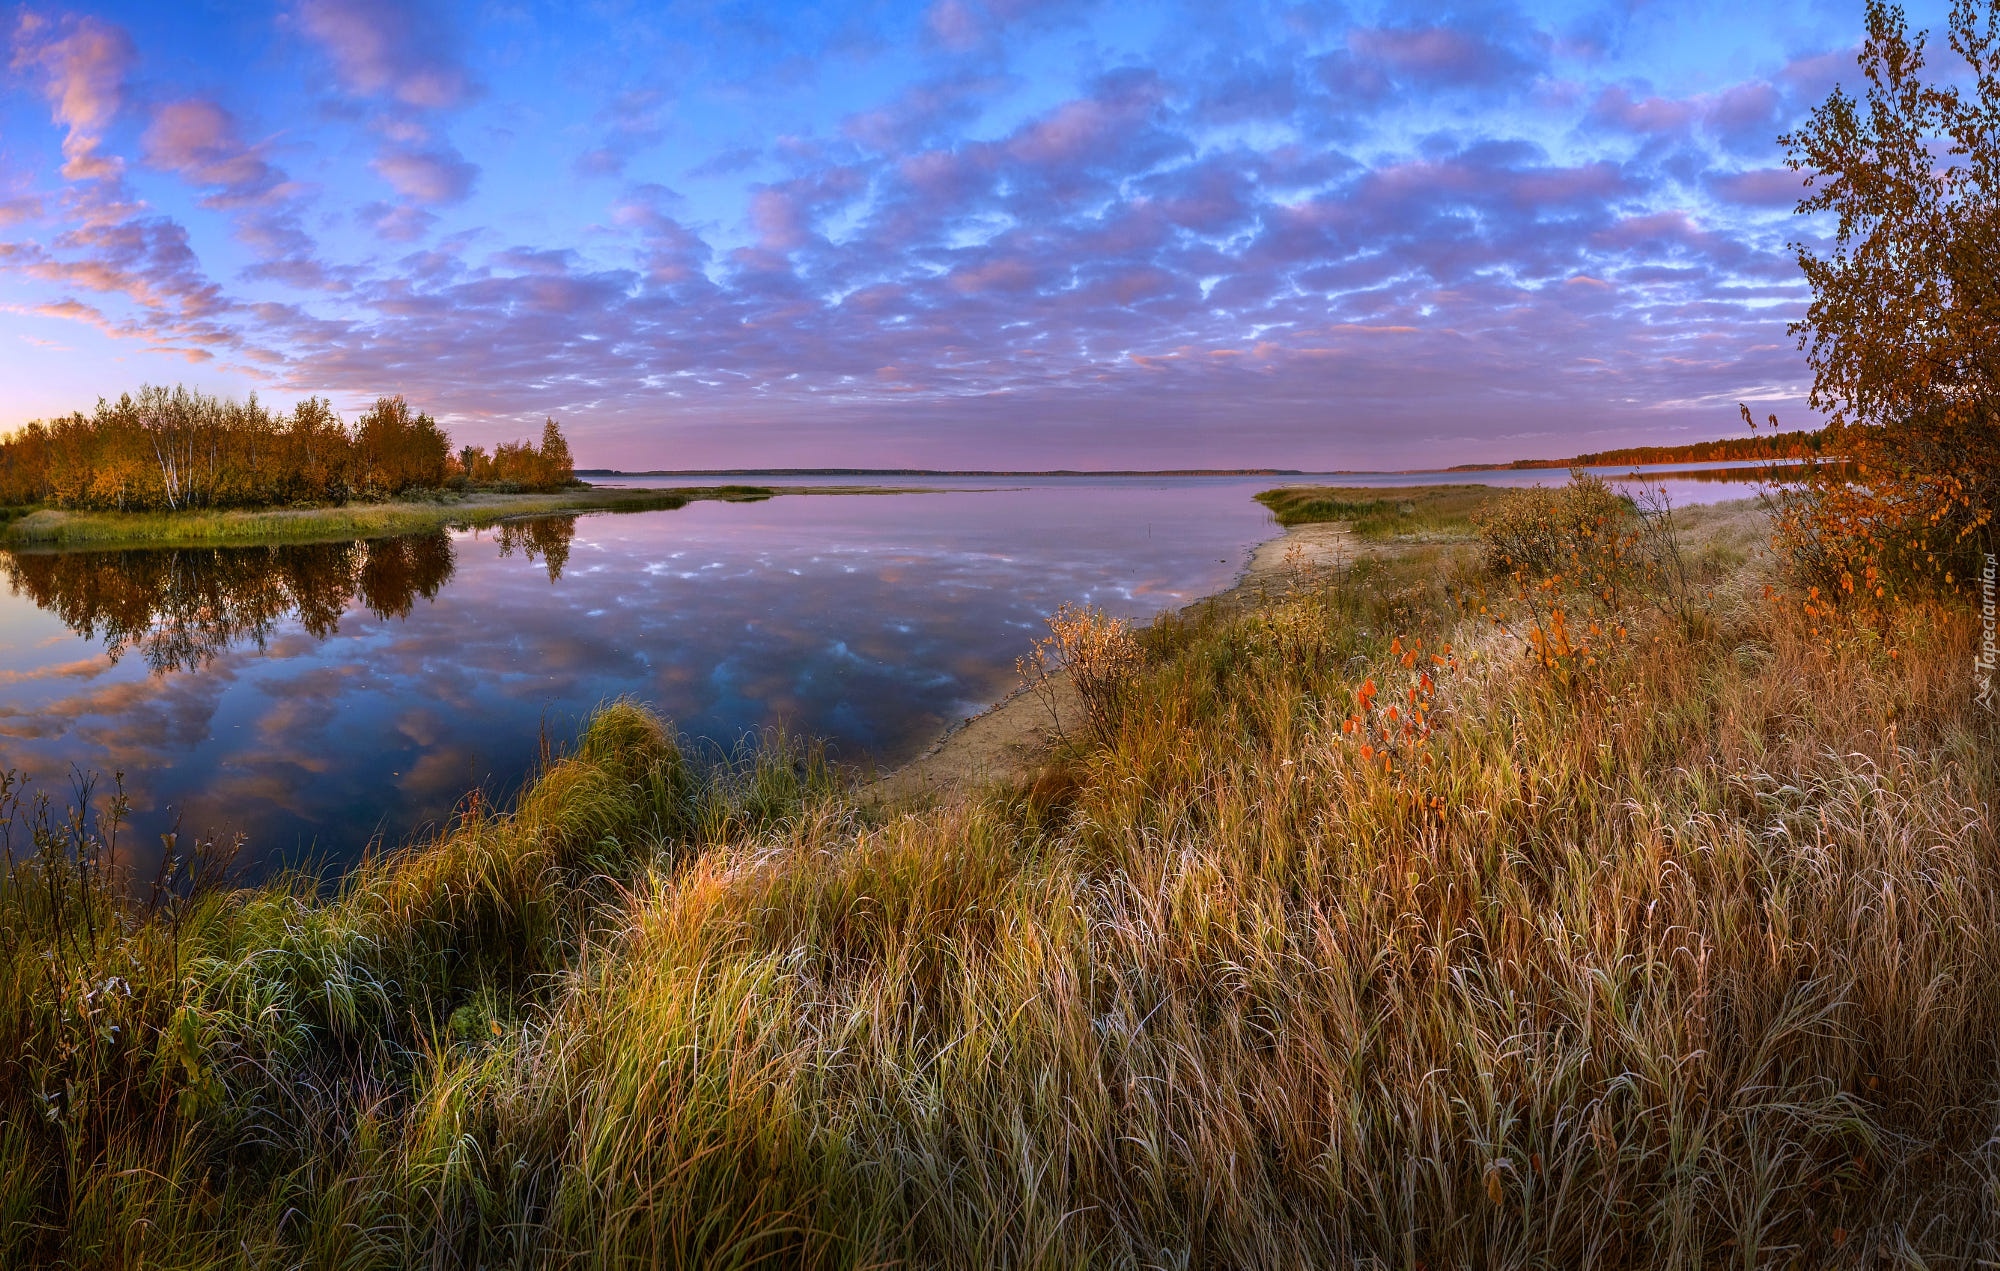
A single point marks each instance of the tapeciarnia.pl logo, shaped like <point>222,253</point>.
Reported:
<point>1983,665</point>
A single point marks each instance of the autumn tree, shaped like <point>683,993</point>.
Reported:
<point>397,449</point>
<point>557,466</point>
<point>319,456</point>
<point>1903,331</point>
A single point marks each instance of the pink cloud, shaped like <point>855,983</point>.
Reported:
<point>83,63</point>
<point>955,24</point>
<point>388,48</point>
<point>24,207</point>
<point>1654,116</point>
<point>438,175</point>
<point>198,140</point>
<point>398,223</point>
<point>1437,54</point>
<point>1007,274</point>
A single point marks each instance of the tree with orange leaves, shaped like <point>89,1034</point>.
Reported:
<point>1903,332</point>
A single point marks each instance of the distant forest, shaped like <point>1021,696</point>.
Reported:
<point>1798,444</point>
<point>176,449</point>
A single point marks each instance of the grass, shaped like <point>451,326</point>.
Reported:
<point>56,528</point>
<point>1689,957</point>
<point>1425,511</point>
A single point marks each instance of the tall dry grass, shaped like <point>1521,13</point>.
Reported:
<point>1353,936</point>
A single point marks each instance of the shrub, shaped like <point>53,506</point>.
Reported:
<point>1581,530</point>
<point>1096,652</point>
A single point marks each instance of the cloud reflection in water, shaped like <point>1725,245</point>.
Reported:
<point>314,696</point>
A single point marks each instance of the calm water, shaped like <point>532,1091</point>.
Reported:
<point>313,697</point>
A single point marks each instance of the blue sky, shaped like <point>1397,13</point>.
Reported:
<point>935,232</point>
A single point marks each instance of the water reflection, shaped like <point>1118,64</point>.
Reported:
<point>542,538</point>
<point>315,697</point>
<point>181,607</point>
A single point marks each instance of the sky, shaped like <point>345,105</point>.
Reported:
<point>931,233</point>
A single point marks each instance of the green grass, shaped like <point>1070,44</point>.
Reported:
<point>1373,512</point>
<point>1690,957</point>
<point>50,527</point>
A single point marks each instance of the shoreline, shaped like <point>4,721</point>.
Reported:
<point>1004,741</point>
<point>54,529</point>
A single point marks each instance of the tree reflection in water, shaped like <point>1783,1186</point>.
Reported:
<point>544,538</point>
<point>180,607</point>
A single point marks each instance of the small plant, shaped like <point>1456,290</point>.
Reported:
<point>1095,652</point>
<point>1670,578</point>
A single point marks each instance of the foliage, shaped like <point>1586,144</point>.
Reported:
<point>415,513</point>
<point>395,450</point>
<point>520,465</point>
<point>177,450</point>
<point>1904,323</point>
<point>1572,559</point>
<point>1543,530</point>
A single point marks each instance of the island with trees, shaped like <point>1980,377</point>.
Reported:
<point>175,466</point>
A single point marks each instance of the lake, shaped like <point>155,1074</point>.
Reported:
<point>315,697</point>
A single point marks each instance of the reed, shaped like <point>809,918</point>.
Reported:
<point>1348,934</point>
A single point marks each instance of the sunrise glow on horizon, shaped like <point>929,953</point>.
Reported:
<point>939,233</point>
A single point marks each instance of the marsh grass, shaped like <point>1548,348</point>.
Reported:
<point>53,528</point>
<point>1353,937</point>
<point>1373,512</point>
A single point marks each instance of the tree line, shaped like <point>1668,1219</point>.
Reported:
<point>1800,443</point>
<point>178,449</point>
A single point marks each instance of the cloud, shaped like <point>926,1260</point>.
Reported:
<point>439,175</point>
<point>962,26</point>
<point>399,49</point>
<point>199,141</point>
<point>634,121</point>
<point>1763,187</point>
<point>398,223</point>
<point>1442,56</point>
<point>726,163</point>
<point>402,56</point>
<point>83,64</point>
<point>1615,107</point>
<point>21,207</point>
<point>921,113</point>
